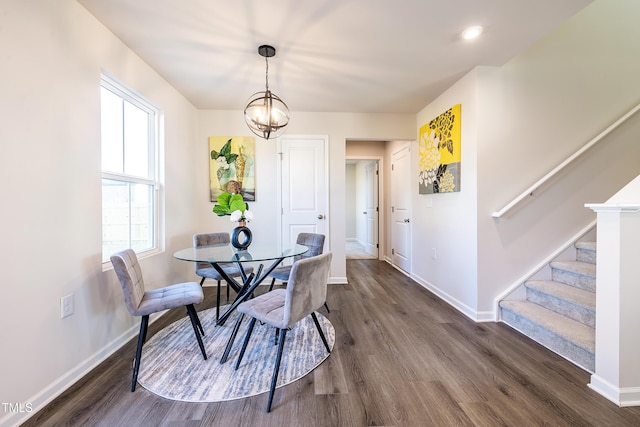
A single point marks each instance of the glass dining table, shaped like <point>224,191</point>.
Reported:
<point>216,255</point>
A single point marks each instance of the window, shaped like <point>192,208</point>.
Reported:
<point>129,138</point>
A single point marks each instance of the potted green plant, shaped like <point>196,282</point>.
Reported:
<point>233,205</point>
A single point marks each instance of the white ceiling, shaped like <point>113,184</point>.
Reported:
<point>369,56</point>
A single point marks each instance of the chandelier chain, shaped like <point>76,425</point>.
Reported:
<point>266,60</point>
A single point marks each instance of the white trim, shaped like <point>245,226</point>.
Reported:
<point>476,316</point>
<point>68,379</point>
<point>622,397</point>
<point>155,165</point>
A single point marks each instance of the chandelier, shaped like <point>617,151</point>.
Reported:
<point>266,114</point>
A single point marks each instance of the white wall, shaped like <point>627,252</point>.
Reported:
<point>340,127</point>
<point>52,54</point>
<point>447,222</point>
<point>518,122</point>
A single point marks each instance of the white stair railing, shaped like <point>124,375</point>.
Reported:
<point>529,192</point>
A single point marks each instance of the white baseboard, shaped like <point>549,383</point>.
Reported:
<point>65,381</point>
<point>623,397</point>
<point>476,316</point>
<point>337,281</point>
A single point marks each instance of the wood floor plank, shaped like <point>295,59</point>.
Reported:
<point>402,357</point>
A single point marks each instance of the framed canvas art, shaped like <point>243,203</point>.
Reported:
<point>439,153</point>
<point>232,166</point>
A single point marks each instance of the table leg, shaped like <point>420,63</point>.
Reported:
<point>248,289</point>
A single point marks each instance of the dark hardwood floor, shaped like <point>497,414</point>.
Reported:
<point>402,357</point>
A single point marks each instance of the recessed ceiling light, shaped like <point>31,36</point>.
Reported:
<point>472,32</point>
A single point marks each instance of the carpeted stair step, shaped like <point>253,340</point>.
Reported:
<point>574,273</point>
<point>569,338</point>
<point>575,303</point>
<point>586,252</point>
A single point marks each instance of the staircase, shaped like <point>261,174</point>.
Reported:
<point>560,313</point>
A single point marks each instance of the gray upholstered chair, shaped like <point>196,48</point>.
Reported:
<point>282,308</point>
<point>206,271</point>
<point>315,243</point>
<point>141,302</point>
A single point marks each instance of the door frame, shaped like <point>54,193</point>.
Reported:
<point>407,187</point>
<point>382,201</point>
<point>327,219</point>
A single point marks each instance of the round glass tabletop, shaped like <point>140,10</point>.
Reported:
<point>226,253</point>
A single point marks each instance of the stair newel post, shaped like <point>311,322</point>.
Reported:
<point>616,375</point>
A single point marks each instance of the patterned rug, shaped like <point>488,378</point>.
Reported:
<point>172,365</point>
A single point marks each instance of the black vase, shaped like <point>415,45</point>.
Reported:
<point>241,237</point>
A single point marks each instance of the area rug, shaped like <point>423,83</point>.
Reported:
<point>172,365</point>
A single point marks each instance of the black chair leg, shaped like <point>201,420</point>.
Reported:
<point>194,322</point>
<point>246,342</point>
<point>324,340</point>
<point>232,338</point>
<point>218,301</point>
<point>273,281</point>
<point>202,281</point>
<point>142,336</point>
<point>276,369</point>
<point>198,322</point>
<point>327,307</point>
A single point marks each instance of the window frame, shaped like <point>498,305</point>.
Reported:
<point>153,179</point>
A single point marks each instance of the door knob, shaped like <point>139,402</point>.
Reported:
<point>320,216</point>
<point>407,220</point>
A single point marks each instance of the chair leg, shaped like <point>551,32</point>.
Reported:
<point>218,301</point>
<point>198,322</point>
<point>202,281</point>
<point>142,336</point>
<point>327,307</point>
<point>276,369</point>
<point>246,341</point>
<point>273,281</point>
<point>232,338</point>
<point>194,322</point>
<point>324,340</point>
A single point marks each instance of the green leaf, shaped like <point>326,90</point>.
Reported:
<point>226,149</point>
<point>237,203</point>
<point>224,199</point>
<point>221,210</point>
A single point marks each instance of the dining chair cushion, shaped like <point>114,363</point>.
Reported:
<point>155,300</point>
<point>231,269</point>
<point>282,308</point>
<point>267,308</point>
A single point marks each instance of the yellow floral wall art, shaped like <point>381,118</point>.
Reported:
<point>439,153</point>
<point>232,166</point>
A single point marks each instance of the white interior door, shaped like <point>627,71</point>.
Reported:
<point>303,186</point>
<point>371,208</point>
<point>401,208</point>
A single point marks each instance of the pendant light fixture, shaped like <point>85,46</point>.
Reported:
<point>265,113</point>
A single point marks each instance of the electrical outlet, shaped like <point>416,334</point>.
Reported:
<point>66,306</point>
